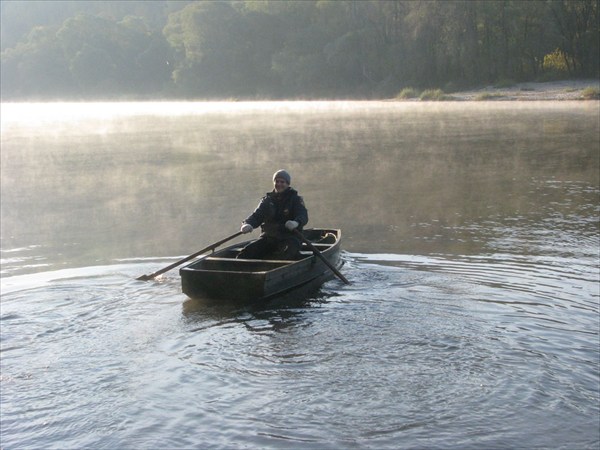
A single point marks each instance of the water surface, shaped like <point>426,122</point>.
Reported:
<point>470,236</point>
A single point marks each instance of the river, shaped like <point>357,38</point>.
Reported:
<point>470,236</point>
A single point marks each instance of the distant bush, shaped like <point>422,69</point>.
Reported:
<point>434,94</point>
<point>407,93</point>
<point>590,93</point>
<point>484,96</point>
<point>556,62</point>
<point>554,66</point>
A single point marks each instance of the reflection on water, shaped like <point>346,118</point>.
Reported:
<point>275,316</point>
<point>471,240</point>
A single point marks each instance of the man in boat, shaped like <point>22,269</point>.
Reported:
<point>279,213</point>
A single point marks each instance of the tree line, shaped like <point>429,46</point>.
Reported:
<point>289,49</point>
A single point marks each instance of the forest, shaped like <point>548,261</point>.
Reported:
<point>369,49</point>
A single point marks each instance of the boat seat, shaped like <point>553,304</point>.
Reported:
<point>329,238</point>
<point>275,262</point>
<point>319,247</point>
<point>218,264</point>
<point>304,252</point>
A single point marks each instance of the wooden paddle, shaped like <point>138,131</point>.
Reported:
<point>318,254</point>
<point>198,253</point>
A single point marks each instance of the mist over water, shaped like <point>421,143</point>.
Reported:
<point>471,238</point>
<point>160,179</point>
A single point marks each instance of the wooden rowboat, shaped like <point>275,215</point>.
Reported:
<point>222,276</point>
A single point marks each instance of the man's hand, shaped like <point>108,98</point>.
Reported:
<point>291,225</point>
<point>246,228</point>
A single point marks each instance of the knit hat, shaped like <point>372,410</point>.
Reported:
<point>282,174</point>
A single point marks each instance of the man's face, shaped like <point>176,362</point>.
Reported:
<point>280,185</point>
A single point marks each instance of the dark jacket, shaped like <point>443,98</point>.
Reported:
<point>274,210</point>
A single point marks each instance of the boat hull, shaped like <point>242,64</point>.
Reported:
<point>222,276</point>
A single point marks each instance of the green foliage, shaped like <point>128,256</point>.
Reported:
<point>590,93</point>
<point>555,63</point>
<point>434,95</point>
<point>294,49</point>
<point>407,93</point>
<point>486,96</point>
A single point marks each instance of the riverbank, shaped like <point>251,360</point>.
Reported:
<point>552,90</point>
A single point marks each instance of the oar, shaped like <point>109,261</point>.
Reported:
<point>198,253</point>
<point>318,253</point>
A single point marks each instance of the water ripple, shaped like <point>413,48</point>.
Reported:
<point>415,347</point>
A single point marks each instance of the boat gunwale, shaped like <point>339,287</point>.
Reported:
<point>282,264</point>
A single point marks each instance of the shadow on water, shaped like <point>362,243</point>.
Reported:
<point>280,313</point>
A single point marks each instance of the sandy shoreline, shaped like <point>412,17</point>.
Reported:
<point>553,90</point>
